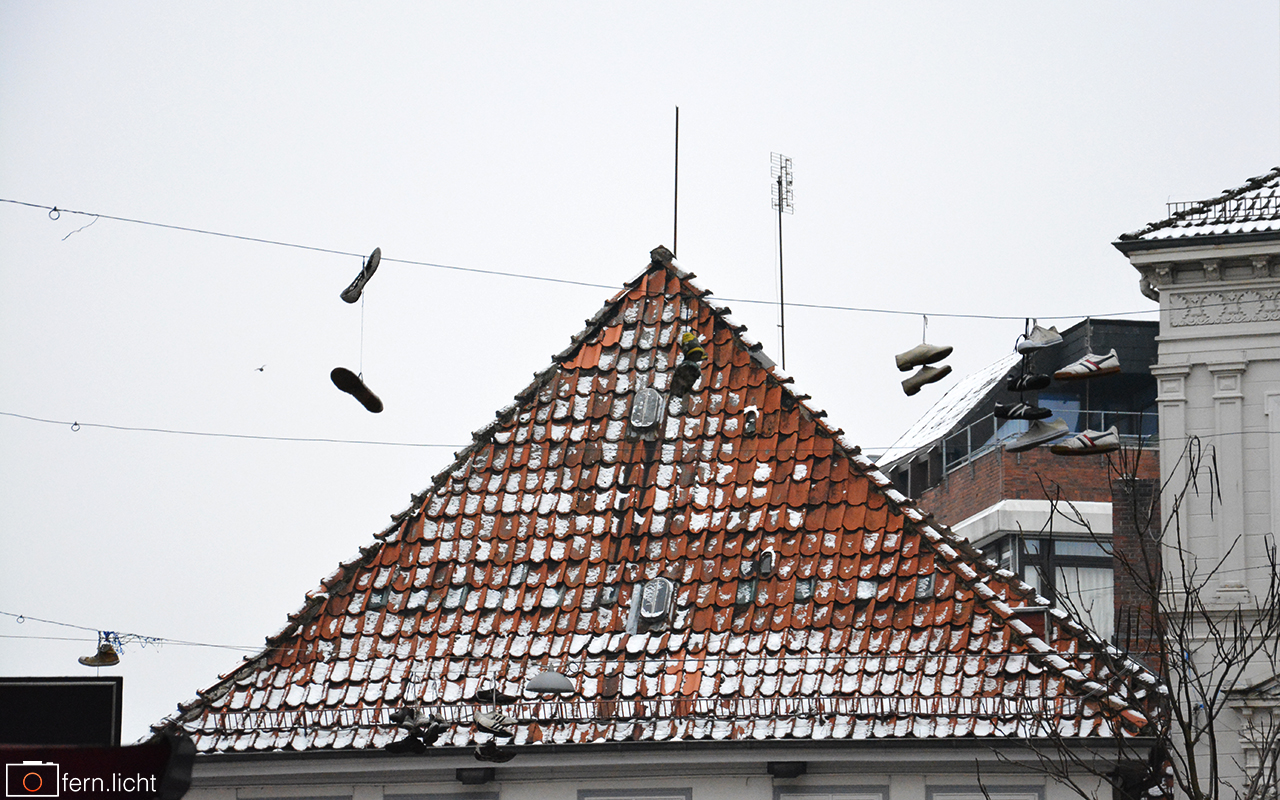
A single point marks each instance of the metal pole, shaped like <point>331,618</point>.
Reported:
<point>782,294</point>
<point>675,204</point>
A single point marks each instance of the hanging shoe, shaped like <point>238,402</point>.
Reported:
<point>349,382</point>
<point>923,376</point>
<point>1088,443</point>
<point>1091,366</point>
<point>1028,383</point>
<point>433,731</point>
<point>1039,338</point>
<point>409,744</point>
<point>497,723</point>
<point>1038,433</point>
<point>489,751</point>
<point>1021,411</point>
<point>352,292</point>
<point>920,355</point>
<point>105,657</point>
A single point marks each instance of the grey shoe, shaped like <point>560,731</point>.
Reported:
<point>1040,337</point>
<point>921,354</point>
<point>1038,433</point>
<point>925,375</point>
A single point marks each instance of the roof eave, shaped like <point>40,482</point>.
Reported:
<point>1135,245</point>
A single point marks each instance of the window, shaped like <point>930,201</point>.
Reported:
<point>1074,573</point>
<point>833,793</point>
<point>636,794</point>
<point>992,793</point>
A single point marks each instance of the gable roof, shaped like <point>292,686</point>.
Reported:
<point>531,550</point>
<point>1252,208</point>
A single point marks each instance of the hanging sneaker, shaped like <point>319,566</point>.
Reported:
<point>921,354</point>
<point>352,292</point>
<point>1039,338</point>
<point>1028,383</point>
<point>489,751</point>
<point>349,382</point>
<point>105,657</point>
<point>1088,443</point>
<point>1091,366</point>
<point>409,744</point>
<point>497,723</point>
<point>1038,433</point>
<point>925,375</point>
<point>1020,411</point>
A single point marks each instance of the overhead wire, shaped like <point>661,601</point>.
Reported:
<point>565,281</point>
<point>75,425</point>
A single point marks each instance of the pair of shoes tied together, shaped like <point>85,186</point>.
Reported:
<point>922,355</point>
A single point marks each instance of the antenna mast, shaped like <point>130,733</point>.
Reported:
<point>675,204</point>
<point>783,201</point>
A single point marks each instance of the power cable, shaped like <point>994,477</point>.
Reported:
<point>525,276</point>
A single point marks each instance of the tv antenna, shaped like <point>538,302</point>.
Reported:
<point>784,202</point>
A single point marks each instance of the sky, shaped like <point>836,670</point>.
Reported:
<point>949,159</point>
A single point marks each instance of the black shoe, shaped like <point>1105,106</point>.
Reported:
<point>1020,411</point>
<point>409,744</point>
<point>349,382</point>
<point>489,751</point>
<point>352,292</point>
<point>1028,383</point>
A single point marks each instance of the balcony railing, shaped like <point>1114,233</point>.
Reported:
<point>988,433</point>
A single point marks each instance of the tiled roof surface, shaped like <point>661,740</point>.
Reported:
<point>949,411</point>
<point>1251,208</point>
<point>872,621</point>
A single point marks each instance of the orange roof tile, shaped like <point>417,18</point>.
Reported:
<point>532,552</point>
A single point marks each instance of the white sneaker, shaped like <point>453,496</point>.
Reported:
<point>1088,443</point>
<point>1091,366</point>
<point>1040,337</point>
<point>496,722</point>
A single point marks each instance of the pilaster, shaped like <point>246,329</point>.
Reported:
<point>1228,443</point>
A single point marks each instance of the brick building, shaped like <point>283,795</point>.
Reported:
<point>1046,517</point>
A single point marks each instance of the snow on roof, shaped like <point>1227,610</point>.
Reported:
<point>950,409</point>
<point>1251,208</point>
<point>706,575</point>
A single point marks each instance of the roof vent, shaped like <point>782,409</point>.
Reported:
<point>924,587</point>
<point>764,567</point>
<point>655,603</point>
<point>646,408</point>
<point>750,415</point>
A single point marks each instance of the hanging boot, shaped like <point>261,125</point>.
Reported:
<point>105,657</point>
<point>349,382</point>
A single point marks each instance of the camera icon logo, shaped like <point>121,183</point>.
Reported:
<point>31,779</point>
